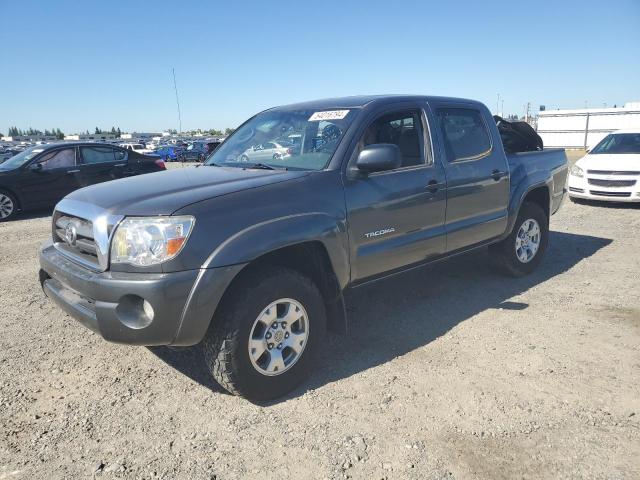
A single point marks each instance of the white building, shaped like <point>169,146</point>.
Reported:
<point>585,127</point>
<point>30,138</point>
<point>90,136</point>
<point>135,135</point>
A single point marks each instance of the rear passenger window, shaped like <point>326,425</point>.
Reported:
<point>91,155</point>
<point>464,133</point>
<point>403,129</point>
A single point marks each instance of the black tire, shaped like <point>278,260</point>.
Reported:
<point>504,252</point>
<point>225,345</point>
<point>8,206</point>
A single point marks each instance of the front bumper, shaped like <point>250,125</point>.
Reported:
<point>598,187</point>
<point>111,303</point>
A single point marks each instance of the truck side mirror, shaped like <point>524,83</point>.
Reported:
<point>379,157</point>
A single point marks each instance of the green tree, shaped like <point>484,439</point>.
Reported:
<point>228,131</point>
<point>98,131</point>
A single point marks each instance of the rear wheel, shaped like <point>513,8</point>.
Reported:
<point>522,251</point>
<point>266,333</point>
<point>8,206</point>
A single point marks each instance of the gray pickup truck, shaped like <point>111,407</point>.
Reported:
<point>251,261</point>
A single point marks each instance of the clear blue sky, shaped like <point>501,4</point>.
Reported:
<point>77,65</point>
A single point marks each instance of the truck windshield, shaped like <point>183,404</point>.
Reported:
<point>21,158</point>
<point>618,143</point>
<point>291,139</point>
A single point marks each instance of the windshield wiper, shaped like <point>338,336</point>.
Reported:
<point>263,166</point>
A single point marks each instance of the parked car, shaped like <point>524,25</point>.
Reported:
<point>198,151</point>
<point>7,153</point>
<point>268,151</point>
<point>137,147</point>
<point>169,153</point>
<point>41,175</point>
<point>257,257</point>
<point>610,171</point>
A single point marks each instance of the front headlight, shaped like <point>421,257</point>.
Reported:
<point>148,241</point>
<point>576,171</point>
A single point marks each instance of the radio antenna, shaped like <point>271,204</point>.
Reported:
<point>175,87</point>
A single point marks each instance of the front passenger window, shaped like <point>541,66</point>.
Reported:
<point>403,129</point>
<point>59,159</point>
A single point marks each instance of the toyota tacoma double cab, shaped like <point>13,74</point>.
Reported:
<point>251,260</point>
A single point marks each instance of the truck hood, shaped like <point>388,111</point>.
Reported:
<point>163,193</point>
<point>628,162</point>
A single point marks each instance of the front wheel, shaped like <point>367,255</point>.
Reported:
<point>8,206</point>
<point>266,333</point>
<point>522,251</point>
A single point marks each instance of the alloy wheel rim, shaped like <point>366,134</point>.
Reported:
<point>278,337</point>
<point>528,240</point>
<point>6,206</point>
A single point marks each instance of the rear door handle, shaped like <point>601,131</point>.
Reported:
<point>497,175</point>
<point>433,186</point>
<point>73,171</point>
<point>120,165</point>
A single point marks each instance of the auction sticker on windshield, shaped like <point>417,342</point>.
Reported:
<point>328,115</point>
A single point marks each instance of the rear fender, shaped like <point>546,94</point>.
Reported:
<point>523,188</point>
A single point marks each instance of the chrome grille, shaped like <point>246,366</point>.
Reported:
<point>611,183</point>
<point>82,232</point>
<point>612,172</point>
<point>81,246</point>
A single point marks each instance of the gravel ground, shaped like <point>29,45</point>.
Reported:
<point>448,372</point>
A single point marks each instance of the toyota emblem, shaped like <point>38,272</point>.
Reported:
<point>70,234</point>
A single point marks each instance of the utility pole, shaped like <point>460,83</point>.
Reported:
<point>173,70</point>
<point>497,104</point>
<point>502,109</point>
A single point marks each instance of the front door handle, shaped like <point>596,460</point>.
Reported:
<point>432,186</point>
<point>497,175</point>
<point>73,171</point>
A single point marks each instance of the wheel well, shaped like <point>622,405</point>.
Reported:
<point>311,260</point>
<point>539,196</point>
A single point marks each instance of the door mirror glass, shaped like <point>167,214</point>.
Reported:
<point>35,167</point>
<point>379,157</point>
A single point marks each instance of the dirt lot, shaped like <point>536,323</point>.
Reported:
<point>448,372</point>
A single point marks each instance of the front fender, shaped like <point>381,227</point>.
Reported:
<point>268,236</point>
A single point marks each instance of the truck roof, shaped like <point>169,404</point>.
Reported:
<point>364,100</point>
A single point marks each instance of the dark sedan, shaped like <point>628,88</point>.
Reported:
<point>40,176</point>
<point>198,151</point>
